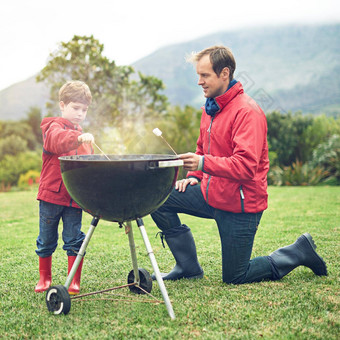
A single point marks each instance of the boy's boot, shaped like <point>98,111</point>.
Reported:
<point>182,246</point>
<point>300,253</point>
<point>45,271</point>
<point>75,284</point>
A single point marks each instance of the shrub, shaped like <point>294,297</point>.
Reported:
<point>285,135</point>
<point>327,156</point>
<point>28,179</point>
<point>318,133</point>
<point>12,145</point>
<point>11,167</point>
<point>295,136</point>
<point>297,174</point>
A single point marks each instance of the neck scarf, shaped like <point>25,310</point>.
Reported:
<point>211,106</point>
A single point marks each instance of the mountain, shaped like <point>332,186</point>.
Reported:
<point>289,68</point>
<point>16,100</point>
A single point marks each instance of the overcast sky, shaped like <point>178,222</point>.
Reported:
<point>132,29</point>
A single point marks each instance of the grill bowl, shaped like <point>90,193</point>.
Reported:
<point>124,188</point>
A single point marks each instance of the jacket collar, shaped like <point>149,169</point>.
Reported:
<point>47,121</point>
<point>65,121</point>
<point>215,105</point>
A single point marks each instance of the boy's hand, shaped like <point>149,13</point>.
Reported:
<point>86,138</point>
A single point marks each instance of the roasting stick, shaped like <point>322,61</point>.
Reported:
<point>100,150</point>
<point>158,133</point>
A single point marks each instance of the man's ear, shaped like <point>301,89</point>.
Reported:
<point>225,73</point>
<point>61,105</point>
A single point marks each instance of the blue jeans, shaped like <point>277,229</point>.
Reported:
<point>237,233</point>
<point>50,215</point>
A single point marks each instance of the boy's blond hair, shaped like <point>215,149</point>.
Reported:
<point>75,91</point>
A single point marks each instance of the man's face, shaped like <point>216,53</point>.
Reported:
<point>74,112</point>
<point>213,85</point>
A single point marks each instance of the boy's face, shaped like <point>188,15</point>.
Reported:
<point>74,112</point>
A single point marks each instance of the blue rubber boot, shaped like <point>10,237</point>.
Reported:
<point>300,253</point>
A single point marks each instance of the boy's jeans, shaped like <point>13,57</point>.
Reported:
<point>237,233</point>
<point>50,215</point>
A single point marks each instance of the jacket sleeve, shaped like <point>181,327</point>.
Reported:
<point>199,151</point>
<point>248,140</point>
<point>58,140</point>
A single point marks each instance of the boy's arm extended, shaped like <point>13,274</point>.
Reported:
<point>58,140</point>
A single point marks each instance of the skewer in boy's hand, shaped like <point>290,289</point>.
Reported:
<point>86,138</point>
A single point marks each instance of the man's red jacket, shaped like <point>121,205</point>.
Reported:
<point>60,138</point>
<point>235,149</point>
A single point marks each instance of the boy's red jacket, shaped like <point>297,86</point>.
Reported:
<point>235,149</point>
<point>60,138</point>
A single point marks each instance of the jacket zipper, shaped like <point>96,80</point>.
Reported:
<point>209,131</point>
<point>242,198</point>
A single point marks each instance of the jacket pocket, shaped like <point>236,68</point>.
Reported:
<point>52,185</point>
<point>242,198</point>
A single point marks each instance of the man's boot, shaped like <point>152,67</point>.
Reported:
<point>75,284</point>
<point>300,253</point>
<point>182,246</point>
<point>45,271</point>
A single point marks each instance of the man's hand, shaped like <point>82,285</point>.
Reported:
<point>190,161</point>
<point>182,184</point>
<point>86,138</point>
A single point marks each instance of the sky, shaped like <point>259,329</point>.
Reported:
<point>133,29</point>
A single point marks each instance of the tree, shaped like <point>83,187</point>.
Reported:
<point>12,145</point>
<point>285,135</point>
<point>33,120</point>
<point>319,132</point>
<point>116,97</point>
<point>16,137</point>
<point>182,128</point>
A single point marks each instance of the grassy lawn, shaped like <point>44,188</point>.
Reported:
<point>300,306</point>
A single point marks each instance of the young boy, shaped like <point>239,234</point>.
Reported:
<point>62,136</point>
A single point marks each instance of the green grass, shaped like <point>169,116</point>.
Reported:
<point>300,306</point>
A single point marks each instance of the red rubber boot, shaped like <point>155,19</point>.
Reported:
<point>45,271</point>
<point>75,284</point>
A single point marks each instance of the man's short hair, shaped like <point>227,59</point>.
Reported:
<point>220,57</point>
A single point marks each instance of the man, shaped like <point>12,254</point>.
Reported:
<point>231,163</point>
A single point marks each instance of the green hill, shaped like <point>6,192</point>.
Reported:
<point>287,68</point>
<point>16,100</point>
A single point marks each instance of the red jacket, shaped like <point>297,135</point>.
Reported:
<point>235,149</point>
<point>60,138</point>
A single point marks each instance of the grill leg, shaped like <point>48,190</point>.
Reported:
<point>129,231</point>
<point>81,252</point>
<point>156,269</point>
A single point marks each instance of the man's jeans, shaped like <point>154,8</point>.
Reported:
<point>237,233</point>
<point>50,215</point>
